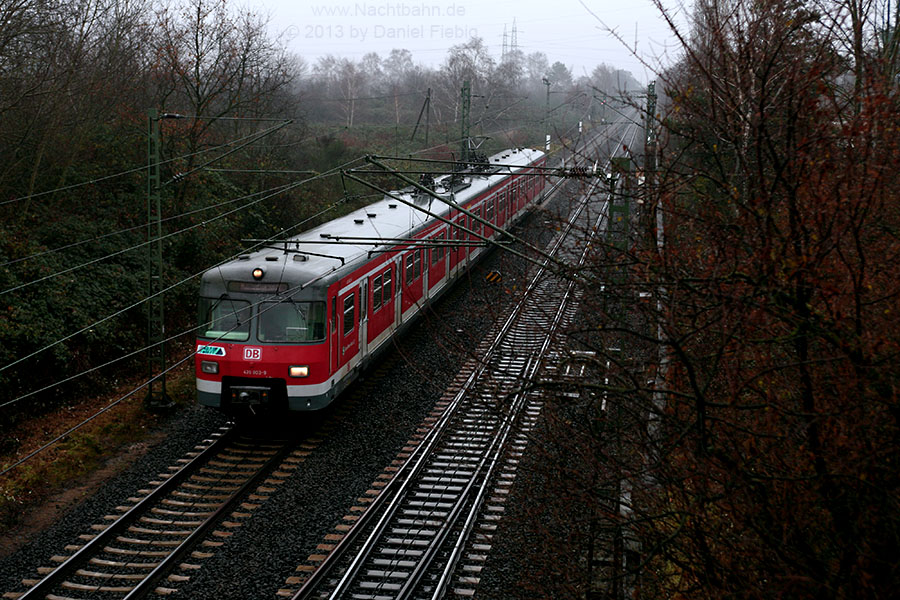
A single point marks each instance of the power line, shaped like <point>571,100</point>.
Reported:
<point>384,97</point>
<point>136,304</point>
<point>182,215</point>
<point>140,245</point>
<point>180,362</point>
<point>122,173</point>
<point>130,229</point>
<point>170,338</point>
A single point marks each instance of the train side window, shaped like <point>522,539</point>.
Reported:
<point>489,210</point>
<point>349,305</point>
<point>376,293</point>
<point>409,269</point>
<point>387,285</point>
<point>476,224</point>
<point>334,314</point>
<point>437,251</point>
<point>417,265</point>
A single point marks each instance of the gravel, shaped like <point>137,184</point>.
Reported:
<point>186,431</point>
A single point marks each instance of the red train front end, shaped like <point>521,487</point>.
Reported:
<point>261,345</point>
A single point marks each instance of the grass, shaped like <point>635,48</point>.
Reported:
<point>82,452</point>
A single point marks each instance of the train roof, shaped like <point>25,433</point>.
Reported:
<point>313,255</point>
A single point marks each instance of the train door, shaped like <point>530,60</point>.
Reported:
<point>438,264</point>
<point>475,250</point>
<point>334,338</point>
<point>349,336</point>
<point>363,318</point>
<point>411,274</point>
<point>398,291</point>
<point>423,258</point>
<point>456,235</point>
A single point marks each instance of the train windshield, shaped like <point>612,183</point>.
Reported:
<point>291,321</point>
<point>224,319</point>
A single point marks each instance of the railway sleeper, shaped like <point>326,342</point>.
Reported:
<point>128,552</point>
<point>445,473</point>
<point>167,532</point>
<point>137,542</point>
<point>407,542</point>
<point>380,585</point>
<point>420,503</point>
<point>425,513</point>
<point>419,522</point>
<point>446,480</point>
<point>170,522</point>
<point>388,574</point>
<point>99,575</point>
<point>428,487</point>
<point>122,565</point>
<point>435,497</point>
<point>419,532</point>
<point>393,563</point>
<point>178,513</point>
<point>81,587</point>
<point>171,502</point>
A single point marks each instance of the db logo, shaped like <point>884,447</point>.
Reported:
<point>252,353</point>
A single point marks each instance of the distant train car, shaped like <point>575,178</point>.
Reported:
<point>290,328</point>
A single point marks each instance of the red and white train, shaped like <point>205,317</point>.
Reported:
<point>290,328</point>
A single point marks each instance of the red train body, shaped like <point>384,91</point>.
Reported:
<point>290,328</point>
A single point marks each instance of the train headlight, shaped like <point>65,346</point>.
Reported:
<point>300,371</point>
<point>209,366</point>
<point>258,273</point>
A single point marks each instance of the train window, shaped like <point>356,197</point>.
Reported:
<point>417,264</point>
<point>386,294</point>
<point>476,224</point>
<point>376,293</point>
<point>291,321</point>
<point>349,320</point>
<point>225,319</point>
<point>489,210</point>
<point>334,315</point>
<point>409,269</point>
<point>440,249</point>
<point>437,252</point>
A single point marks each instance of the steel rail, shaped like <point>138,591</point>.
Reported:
<point>126,519</point>
<point>147,585</point>
<point>440,587</point>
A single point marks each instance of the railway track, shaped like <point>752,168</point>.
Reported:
<point>411,540</point>
<point>156,541</point>
<point>457,473</point>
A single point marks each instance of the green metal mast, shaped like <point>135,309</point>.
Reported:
<point>156,328</point>
<point>466,103</point>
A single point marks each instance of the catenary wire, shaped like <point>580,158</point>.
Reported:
<point>103,320</point>
<point>122,173</point>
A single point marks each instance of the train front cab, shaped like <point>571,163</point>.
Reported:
<point>258,352</point>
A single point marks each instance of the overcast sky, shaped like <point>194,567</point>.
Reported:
<point>563,29</point>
